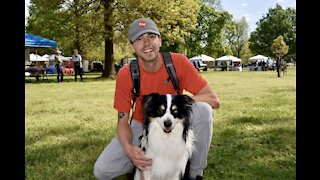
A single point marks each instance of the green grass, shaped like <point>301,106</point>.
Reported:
<point>254,136</point>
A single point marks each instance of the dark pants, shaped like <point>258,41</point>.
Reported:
<point>278,71</point>
<point>59,73</point>
<point>77,70</point>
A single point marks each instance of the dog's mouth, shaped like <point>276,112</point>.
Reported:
<point>167,130</point>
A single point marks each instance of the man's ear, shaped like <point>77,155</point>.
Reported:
<point>132,48</point>
<point>160,44</point>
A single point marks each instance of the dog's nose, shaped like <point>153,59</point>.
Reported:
<point>167,123</point>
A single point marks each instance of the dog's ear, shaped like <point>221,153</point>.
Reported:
<point>184,103</point>
<point>188,99</point>
<point>148,99</point>
<point>185,99</point>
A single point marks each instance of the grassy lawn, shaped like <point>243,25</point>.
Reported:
<point>254,136</point>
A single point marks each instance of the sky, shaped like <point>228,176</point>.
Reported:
<point>252,10</point>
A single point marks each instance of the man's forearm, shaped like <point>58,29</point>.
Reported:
<point>210,99</point>
<point>124,135</point>
<point>209,96</point>
<point>123,130</point>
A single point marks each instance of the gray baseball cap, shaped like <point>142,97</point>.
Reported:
<point>141,26</point>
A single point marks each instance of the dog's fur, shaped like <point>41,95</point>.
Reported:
<point>167,136</point>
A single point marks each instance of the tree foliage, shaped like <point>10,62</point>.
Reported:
<point>73,24</point>
<point>100,26</point>
<point>208,37</point>
<point>276,22</point>
<point>237,36</point>
<point>279,47</point>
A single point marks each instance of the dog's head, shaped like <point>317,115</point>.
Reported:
<point>167,110</point>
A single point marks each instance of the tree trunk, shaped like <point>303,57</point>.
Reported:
<point>77,24</point>
<point>108,38</point>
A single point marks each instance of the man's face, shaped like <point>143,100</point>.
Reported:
<point>147,47</point>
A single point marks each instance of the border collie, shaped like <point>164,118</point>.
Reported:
<point>167,136</point>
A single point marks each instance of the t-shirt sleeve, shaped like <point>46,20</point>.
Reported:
<point>190,79</point>
<point>123,91</point>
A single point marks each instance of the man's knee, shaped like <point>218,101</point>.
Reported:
<point>100,172</point>
<point>204,112</point>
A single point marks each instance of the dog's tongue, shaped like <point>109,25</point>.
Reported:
<point>167,130</point>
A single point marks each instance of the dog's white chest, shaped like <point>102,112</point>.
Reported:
<point>168,151</point>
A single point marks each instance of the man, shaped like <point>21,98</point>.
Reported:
<point>58,65</point>
<point>123,153</point>
<point>77,63</point>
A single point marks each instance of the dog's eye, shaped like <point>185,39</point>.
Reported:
<point>174,109</point>
<point>161,110</point>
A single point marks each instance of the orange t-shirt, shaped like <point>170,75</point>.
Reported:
<point>156,82</point>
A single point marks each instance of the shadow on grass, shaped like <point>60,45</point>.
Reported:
<point>90,77</point>
<point>72,158</point>
<point>260,121</point>
<point>251,148</point>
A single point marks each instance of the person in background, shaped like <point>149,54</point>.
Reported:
<point>77,64</point>
<point>58,65</point>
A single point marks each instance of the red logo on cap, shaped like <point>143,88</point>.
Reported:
<point>142,24</point>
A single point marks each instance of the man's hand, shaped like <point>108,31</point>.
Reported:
<point>136,155</point>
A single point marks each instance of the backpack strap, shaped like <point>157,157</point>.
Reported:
<point>135,76</point>
<point>171,70</point>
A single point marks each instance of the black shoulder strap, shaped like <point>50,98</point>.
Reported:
<point>171,70</point>
<point>135,76</point>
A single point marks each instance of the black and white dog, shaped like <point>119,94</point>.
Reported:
<point>167,136</point>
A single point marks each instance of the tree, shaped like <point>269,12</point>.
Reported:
<point>72,23</point>
<point>108,37</point>
<point>238,37</point>
<point>208,37</point>
<point>101,26</point>
<point>276,22</point>
<point>279,49</point>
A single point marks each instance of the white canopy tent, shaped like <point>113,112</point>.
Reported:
<point>258,58</point>
<point>202,57</point>
<point>63,58</point>
<point>229,61</point>
<point>36,57</point>
<point>261,63</point>
<point>228,58</point>
<point>46,57</point>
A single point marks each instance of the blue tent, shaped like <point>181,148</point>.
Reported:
<point>37,41</point>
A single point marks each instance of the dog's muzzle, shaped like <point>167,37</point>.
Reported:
<point>167,124</point>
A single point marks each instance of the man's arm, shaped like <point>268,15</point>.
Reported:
<point>206,94</point>
<point>134,153</point>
